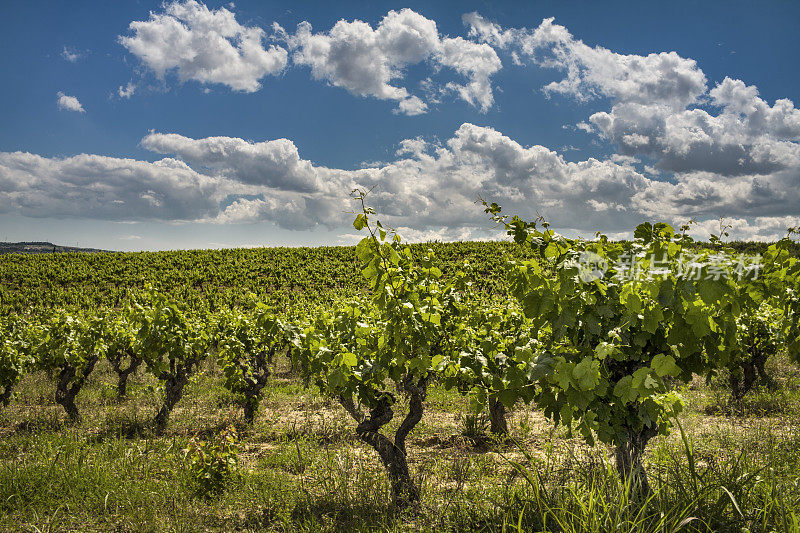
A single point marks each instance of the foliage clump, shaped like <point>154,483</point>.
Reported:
<point>212,463</point>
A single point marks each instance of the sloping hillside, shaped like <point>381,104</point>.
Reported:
<point>39,248</point>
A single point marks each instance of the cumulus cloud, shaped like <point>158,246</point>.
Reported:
<point>765,229</point>
<point>233,180</point>
<point>443,234</point>
<point>428,191</point>
<point>657,103</point>
<point>69,103</point>
<point>694,140</point>
<point>705,194</point>
<point>592,72</point>
<point>275,164</point>
<point>102,187</point>
<point>739,134</point>
<point>371,62</point>
<point>728,151</point>
<point>287,211</point>
<point>451,234</point>
<point>205,45</point>
<point>432,187</point>
<point>428,185</point>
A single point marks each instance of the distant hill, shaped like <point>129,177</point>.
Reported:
<point>40,248</point>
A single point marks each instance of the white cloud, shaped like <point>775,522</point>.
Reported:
<point>765,229</point>
<point>70,54</point>
<point>491,33</point>
<point>411,106</point>
<point>369,62</point>
<point>69,103</point>
<point>656,104</point>
<point>93,186</point>
<point>693,140</point>
<point>428,191</point>
<point>730,153</point>
<point>348,239</point>
<point>127,91</point>
<point>416,147</point>
<point>451,234</point>
<point>247,210</point>
<point>208,46</point>
<point>477,63</point>
<point>781,121</point>
<point>592,72</point>
<point>275,164</point>
<point>428,185</point>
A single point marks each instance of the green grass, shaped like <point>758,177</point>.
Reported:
<point>300,467</point>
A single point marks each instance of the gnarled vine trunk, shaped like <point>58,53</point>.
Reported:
<point>753,369</point>
<point>629,462</point>
<point>123,373</point>
<point>741,384</point>
<point>5,397</point>
<point>765,378</point>
<point>70,383</point>
<point>174,382</point>
<point>497,417</point>
<point>393,453</point>
<point>255,379</point>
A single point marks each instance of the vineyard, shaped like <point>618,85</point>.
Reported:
<point>540,384</point>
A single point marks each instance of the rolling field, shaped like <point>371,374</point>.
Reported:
<point>278,276</point>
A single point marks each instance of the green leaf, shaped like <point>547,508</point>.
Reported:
<point>563,374</point>
<point>551,251</point>
<point>644,231</point>
<point>711,290</point>
<point>624,391</point>
<point>394,258</point>
<point>587,373</point>
<point>664,365</point>
<point>336,379</point>
<point>477,399</point>
<point>604,349</point>
<point>360,222</point>
<point>349,359</point>
<point>566,415</point>
<point>507,397</point>
<point>652,319</point>
<point>638,378</point>
<point>633,302</point>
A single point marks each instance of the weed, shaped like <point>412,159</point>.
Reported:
<point>213,462</point>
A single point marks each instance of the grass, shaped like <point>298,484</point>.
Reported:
<point>300,467</point>
<point>783,401</point>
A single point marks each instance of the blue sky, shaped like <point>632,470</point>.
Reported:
<point>142,125</point>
